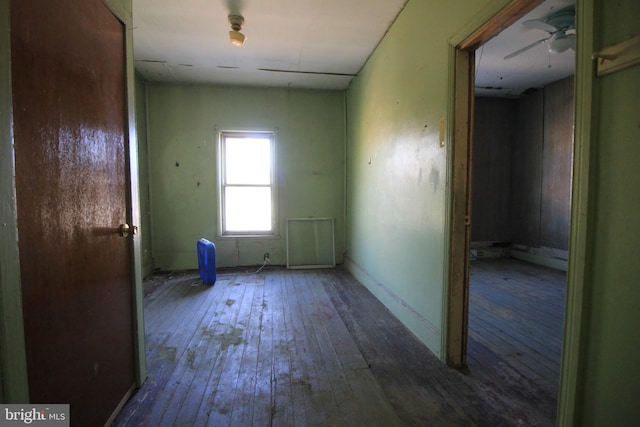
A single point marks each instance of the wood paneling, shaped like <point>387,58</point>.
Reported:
<point>493,133</point>
<point>526,169</point>
<point>522,168</point>
<point>556,165</point>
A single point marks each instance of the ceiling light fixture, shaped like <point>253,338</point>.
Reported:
<point>560,43</point>
<point>235,36</point>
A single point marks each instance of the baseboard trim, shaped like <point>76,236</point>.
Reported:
<point>547,257</point>
<point>124,400</point>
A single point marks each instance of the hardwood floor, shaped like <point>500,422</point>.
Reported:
<point>315,348</point>
<point>516,313</point>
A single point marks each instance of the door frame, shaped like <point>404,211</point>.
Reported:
<point>462,65</point>
<point>13,361</point>
<point>461,86</point>
<point>124,14</point>
<point>14,379</point>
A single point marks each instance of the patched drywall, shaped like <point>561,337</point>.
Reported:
<point>183,167</point>
<point>397,169</point>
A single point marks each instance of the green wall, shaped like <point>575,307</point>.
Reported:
<point>610,373</point>
<point>183,170</point>
<point>143,167</point>
<point>397,195</point>
<point>396,168</point>
<point>13,364</point>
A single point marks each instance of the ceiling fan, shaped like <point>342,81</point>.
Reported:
<point>557,25</point>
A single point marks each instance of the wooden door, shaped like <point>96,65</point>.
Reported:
<point>70,121</point>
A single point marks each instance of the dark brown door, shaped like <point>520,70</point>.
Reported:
<point>69,99</point>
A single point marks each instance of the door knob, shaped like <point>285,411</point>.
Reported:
<point>124,230</point>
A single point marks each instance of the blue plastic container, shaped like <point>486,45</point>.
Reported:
<point>207,261</point>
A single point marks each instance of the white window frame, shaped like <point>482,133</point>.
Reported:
<point>223,133</point>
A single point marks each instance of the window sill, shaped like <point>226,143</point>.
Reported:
<point>250,236</point>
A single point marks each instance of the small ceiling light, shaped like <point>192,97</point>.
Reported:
<point>560,43</point>
<point>235,36</point>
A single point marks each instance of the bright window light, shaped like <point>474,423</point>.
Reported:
<point>247,187</point>
<point>248,161</point>
<point>248,208</point>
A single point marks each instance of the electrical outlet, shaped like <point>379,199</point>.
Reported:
<point>266,256</point>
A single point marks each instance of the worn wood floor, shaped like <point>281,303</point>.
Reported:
<point>516,314</point>
<point>315,348</point>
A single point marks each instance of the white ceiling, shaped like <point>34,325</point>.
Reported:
<point>319,44</point>
<point>314,43</point>
<point>496,76</point>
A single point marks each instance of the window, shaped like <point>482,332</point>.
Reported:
<point>247,187</point>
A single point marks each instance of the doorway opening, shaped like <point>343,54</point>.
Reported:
<point>511,203</point>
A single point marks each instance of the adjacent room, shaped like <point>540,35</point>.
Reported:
<point>521,199</point>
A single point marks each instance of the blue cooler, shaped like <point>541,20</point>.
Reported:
<point>207,261</point>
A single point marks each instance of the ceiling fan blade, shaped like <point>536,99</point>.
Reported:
<point>539,24</point>
<point>526,48</point>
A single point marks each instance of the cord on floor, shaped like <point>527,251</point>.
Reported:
<point>263,264</point>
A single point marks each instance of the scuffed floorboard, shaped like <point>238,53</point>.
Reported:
<point>315,348</point>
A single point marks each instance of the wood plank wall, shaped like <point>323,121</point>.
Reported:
<point>527,170</point>
<point>556,165</point>
<point>493,134</point>
<point>522,159</point>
